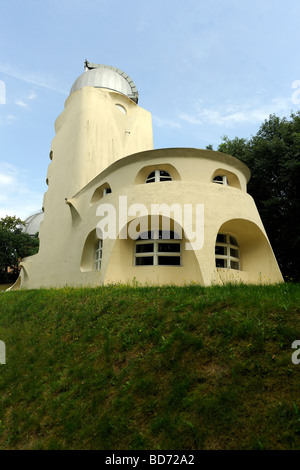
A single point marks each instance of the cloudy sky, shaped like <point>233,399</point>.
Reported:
<point>204,69</point>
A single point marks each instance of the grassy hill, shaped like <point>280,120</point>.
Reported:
<point>129,367</point>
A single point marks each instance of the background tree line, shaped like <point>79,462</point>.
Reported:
<point>273,156</point>
<point>14,246</point>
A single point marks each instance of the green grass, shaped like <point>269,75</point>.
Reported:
<point>127,367</point>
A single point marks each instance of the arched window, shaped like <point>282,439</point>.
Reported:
<point>91,258</point>
<point>227,252</point>
<point>226,178</point>
<point>121,108</point>
<point>158,248</point>
<point>157,176</point>
<point>98,255</point>
<point>100,192</point>
<point>221,179</point>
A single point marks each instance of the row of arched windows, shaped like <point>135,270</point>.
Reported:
<point>163,248</point>
<point>155,176</point>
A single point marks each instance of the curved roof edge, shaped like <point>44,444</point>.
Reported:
<point>173,151</point>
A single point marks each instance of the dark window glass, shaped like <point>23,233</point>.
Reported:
<point>169,247</point>
<point>166,235</point>
<point>164,176</point>
<point>151,177</point>
<point>221,263</point>
<point>169,260</point>
<point>164,173</point>
<point>147,248</point>
<point>146,236</point>
<point>221,250</point>
<point>221,238</point>
<point>233,241</point>
<point>218,179</point>
<point>234,253</point>
<point>144,260</point>
<point>234,264</point>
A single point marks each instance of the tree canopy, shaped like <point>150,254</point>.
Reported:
<point>273,156</point>
<point>14,246</point>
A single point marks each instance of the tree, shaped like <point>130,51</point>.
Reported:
<point>14,246</point>
<point>273,158</point>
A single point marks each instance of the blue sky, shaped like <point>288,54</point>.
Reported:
<point>203,69</point>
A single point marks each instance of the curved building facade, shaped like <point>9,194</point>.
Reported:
<point>116,210</point>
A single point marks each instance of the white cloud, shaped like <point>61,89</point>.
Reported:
<point>16,197</point>
<point>35,78</point>
<point>162,122</point>
<point>2,92</point>
<point>6,180</point>
<point>21,103</point>
<point>31,96</point>
<point>190,119</point>
<point>232,113</point>
<point>8,119</point>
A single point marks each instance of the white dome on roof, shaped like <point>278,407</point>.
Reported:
<point>105,76</point>
<point>32,223</point>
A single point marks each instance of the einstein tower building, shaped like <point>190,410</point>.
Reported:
<point>117,210</point>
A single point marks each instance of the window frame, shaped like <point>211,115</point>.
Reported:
<point>158,177</point>
<point>157,239</point>
<point>106,191</point>
<point>230,244</point>
<point>98,255</point>
<point>224,181</point>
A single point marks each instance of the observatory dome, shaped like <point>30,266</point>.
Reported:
<point>105,76</point>
<point>33,222</point>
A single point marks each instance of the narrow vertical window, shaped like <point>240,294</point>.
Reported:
<point>98,255</point>
<point>227,252</point>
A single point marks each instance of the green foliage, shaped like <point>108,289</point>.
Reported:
<point>122,367</point>
<point>14,245</point>
<point>273,158</point>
